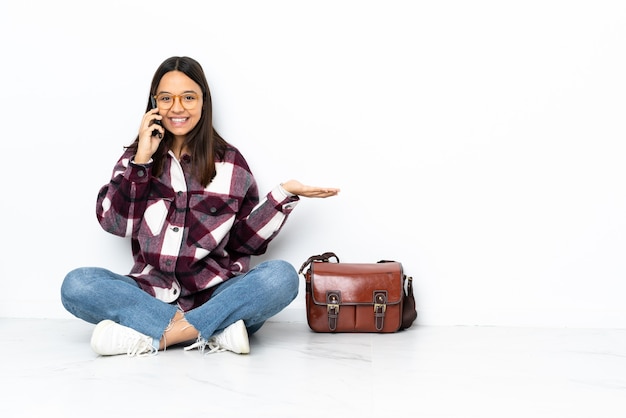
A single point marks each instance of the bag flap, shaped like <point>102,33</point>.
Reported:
<point>356,282</point>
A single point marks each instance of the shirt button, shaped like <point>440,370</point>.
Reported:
<point>140,173</point>
<point>213,210</point>
<point>180,193</point>
<point>175,229</point>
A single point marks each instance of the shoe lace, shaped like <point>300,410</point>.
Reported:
<point>141,347</point>
<point>215,347</point>
<point>201,344</point>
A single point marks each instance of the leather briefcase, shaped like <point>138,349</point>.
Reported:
<point>357,297</point>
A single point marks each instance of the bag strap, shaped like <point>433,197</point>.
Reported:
<point>409,312</point>
<point>320,257</point>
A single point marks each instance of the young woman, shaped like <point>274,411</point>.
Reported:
<point>190,205</point>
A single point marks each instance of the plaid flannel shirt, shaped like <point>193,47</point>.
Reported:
<point>187,238</point>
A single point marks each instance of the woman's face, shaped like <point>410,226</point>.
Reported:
<point>179,100</point>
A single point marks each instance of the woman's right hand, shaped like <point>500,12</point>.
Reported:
<point>148,143</point>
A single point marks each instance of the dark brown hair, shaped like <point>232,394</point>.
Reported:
<point>203,141</point>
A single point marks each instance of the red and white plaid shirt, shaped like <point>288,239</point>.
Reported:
<point>187,238</point>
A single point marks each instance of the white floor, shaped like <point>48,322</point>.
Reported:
<point>49,370</point>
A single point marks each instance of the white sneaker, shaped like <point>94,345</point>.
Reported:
<point>234,338</point>
<point>110,338</point>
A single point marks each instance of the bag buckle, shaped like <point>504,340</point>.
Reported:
<point>333,299</point>
<point>332,308</point>
<point>380,307</point>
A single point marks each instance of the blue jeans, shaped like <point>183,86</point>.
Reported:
<point>95,294</point>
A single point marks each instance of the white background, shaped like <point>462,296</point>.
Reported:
<point>480,143</point>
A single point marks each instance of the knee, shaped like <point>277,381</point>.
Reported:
<point>75,284</point>
<point>71,284</point>
<point>282,276</point>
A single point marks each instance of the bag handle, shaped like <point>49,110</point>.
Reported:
<point>325,257</point>
<point>320,257</point>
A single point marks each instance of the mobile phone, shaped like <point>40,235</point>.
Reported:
<point>158,122</point>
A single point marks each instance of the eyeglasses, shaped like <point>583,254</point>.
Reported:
<point>187,100</point>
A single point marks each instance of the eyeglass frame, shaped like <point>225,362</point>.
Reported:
<point>174,96</point>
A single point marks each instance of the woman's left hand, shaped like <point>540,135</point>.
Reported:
<point>295,187</point>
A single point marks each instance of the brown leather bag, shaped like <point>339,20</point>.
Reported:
<point>357,297</point>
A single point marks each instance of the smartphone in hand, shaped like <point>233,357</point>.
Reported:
<point>158,122</point>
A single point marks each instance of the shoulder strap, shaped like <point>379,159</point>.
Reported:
<point>320,257</point>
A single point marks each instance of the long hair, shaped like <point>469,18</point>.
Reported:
<point>203,141</point>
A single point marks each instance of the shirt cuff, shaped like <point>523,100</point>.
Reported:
<point>132,161</point>
<point>285,192</point>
